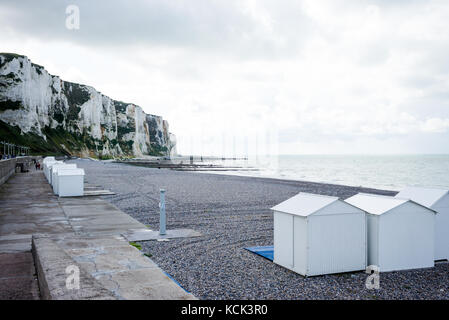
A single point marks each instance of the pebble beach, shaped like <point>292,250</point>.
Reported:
<point>233,212</point>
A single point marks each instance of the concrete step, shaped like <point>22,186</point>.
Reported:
<point>110,268</point>
<point>51,264</point>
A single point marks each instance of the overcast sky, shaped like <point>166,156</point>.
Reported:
<point>321,76</point>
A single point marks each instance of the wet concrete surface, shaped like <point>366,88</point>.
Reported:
<point>18,279</point>
<point>61,228</point>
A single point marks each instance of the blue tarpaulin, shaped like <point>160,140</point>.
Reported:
<point>264,251</point>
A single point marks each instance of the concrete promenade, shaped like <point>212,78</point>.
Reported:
<point>41,235</point>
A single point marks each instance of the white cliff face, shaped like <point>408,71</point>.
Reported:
<point>141,137</point>
<point>41,104</point>
<point>25,83</point>
<point>173,151</point>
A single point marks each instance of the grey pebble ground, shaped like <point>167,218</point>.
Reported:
<point>232,212</point>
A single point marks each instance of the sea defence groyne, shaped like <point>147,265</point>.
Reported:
<point>185,164</point>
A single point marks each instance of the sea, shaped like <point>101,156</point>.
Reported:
<point>388,172</point>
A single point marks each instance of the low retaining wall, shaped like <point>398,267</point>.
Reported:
<point>51,263</point>
<point>8,167</point>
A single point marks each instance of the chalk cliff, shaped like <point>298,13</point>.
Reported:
<point>50,115</point>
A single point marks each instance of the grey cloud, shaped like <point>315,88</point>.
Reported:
<point>205,24</point>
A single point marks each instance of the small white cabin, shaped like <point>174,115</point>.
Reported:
<point>54,173</point>
<point>315,235</point>
<point>47,159</point>
<point>70,182</point>
<point>47,168</point>
<point>400,232</point>
<point>438,200</point>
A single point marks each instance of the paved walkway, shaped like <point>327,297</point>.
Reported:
<point>18,280</point>
<point>83,231</point>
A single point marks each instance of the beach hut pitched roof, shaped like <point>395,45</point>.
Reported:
<point>425,196</point>
<point>375,204</point>
<point>379,204</point>
<point>304,204</point>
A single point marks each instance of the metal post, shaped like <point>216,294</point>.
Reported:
<point>163,221</point>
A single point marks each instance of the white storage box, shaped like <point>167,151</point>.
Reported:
<point>70,182</point>
<point>401,232</point>
<point>438,200</point>
<point>54,171</point>
<point>315,235</point>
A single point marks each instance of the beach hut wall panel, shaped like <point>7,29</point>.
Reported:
<point>49,168</point>
<point>406,245</point>
<point>70,182</point>
<point>300,245</point>
<point>55,170</point>
<point>338,243</point>
<point>46,168</point>
<point>438,200</point>
<point>283,239</point>
<point>45,162</point>
<point>400,232</point>
<point>48,159</point>
<point>55,167</point>
<point>315,235</point>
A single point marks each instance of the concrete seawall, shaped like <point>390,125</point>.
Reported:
<point>8,167</point>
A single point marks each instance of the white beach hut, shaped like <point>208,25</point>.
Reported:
<point>56,165</point>
<point>49,166</point>
<point>315,235</point>
<point>45,162</point>
<point>400,232</point>
<point>70,182</point>
<point>47,159</point>
<point>54,172</point>
<point>438,200</point>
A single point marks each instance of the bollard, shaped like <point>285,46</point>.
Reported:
<point>162,222</point>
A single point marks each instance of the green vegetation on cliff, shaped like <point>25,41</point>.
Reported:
<point>37,144</point>
<point>11,105</point>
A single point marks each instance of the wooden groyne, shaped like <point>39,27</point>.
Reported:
<point>167,164</point>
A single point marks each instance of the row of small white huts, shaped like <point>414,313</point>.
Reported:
<point>316,234</point>
<point>66,179</point>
